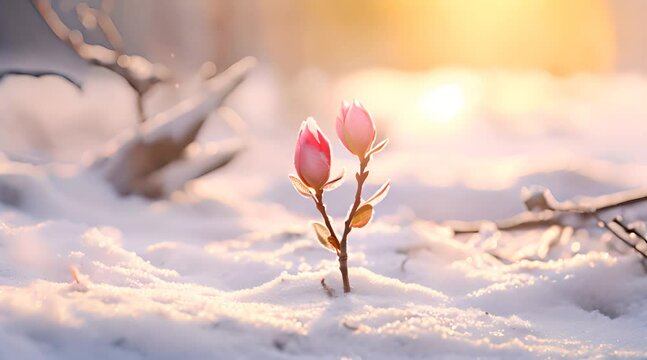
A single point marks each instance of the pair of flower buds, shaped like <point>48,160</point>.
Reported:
<point>355,129</point>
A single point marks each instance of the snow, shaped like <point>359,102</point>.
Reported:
<point>231,269</point>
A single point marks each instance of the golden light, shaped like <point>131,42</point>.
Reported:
<point>442,104</point>
<point>561,37</point>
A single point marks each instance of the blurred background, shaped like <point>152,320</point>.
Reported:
<point>337,37</point>
<point>479,98</point>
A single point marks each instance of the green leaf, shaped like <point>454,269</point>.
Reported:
<point>362,216</point>
<point>380,194</point>
<point>300,187</point>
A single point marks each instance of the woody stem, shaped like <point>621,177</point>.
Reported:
<point>318,198</point>
<point>343,254</point>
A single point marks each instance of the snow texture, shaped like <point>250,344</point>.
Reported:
<point>231,269</point>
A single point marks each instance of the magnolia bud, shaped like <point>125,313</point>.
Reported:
<point>312,155</point>
<point>355,128</point>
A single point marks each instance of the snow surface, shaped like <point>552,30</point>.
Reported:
<point>230,269</point>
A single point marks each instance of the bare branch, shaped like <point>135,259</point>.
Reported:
<point>140,73</point>
<point>609,226</point>
<point>154,159</point>
<point>90,18</point>
<point>557,212</point>
<point>629,230</point>
<point>524,220</point>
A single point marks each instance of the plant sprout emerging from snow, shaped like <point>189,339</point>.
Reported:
<point>312,159</point>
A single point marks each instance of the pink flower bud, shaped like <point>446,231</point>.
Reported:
<point>312,155</point>
<point>355,128</point>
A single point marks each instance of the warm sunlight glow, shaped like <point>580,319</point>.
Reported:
<point>442,104</point>
<point>367,179</point>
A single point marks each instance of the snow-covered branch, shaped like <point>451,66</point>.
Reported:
<point>133,164</point>
<point>544,209</point>
<point>155,158</point>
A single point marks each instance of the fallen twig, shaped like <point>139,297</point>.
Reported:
<point>329,291</point>
<point>549,211</point>
<point>618,222</point>
<point>404,262</point>
<point>629,230</point>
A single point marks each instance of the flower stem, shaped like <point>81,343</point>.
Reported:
<point>343,254</point>
<point>343,268</point>
<point>322,210</point>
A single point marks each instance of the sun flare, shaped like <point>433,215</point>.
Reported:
<point>442,104</point>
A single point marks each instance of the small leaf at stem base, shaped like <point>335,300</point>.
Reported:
<point>325,239</point>
<point>334,183</point>
<point>300,187</point>
<point>380,194</point>
<point>377,148</point>
<point>362,216</point>
<point>334,242</point>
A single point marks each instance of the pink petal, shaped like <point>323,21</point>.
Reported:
<point>339,126</point>
<point>324,145</point>
<point>360,129</point>
<point>312,155</point>
<point>315,166</point>
<point>345,106</point>
<point>297,153</point>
